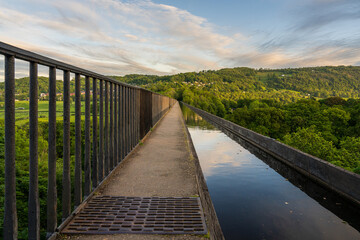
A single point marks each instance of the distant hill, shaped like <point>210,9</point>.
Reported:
<point>318,81</point>
<point>343,81</point>
<point>238,83</point>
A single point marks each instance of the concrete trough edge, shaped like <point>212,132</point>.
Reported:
<point>212,220</point>
<point>342,181</point>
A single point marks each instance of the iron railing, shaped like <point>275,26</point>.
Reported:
<point>125,114</point>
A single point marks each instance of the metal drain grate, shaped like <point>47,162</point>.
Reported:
<point>153,215</point>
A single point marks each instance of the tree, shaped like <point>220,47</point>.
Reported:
<point>309,140</point>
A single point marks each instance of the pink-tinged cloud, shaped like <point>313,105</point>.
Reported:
<point>122,37</point>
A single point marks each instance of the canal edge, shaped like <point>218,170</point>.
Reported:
<point>211,218</point>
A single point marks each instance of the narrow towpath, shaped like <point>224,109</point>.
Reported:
<point>162,166</point>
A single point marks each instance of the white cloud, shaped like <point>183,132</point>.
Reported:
<point>138,35</point>
<point>122,37</point>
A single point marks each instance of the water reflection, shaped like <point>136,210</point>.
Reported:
<point>193,119</point>
<point>265,199</point>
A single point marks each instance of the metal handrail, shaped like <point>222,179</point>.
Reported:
<point>6,49</point>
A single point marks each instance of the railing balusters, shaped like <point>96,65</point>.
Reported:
<point>115,161</point>
<point>66,192</point>
<point>51,191</point>
<point>10,216</point>
<point>87,186</point>
<point>106,160</point>
<point>95,138</point>
<point>101,132</point>
<point>111,142</point>
<point>131,119</point>
<point>34,205</point>
<point>130,111</point>
<point>78,169</point>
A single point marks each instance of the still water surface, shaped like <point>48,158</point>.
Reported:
<point>257,197</point>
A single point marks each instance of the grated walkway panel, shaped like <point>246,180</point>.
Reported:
<point>149,215</point>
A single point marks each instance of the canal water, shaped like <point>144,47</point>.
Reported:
<point>257,197</point>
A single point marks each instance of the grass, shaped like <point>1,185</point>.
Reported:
<point>207,235</point>
<point>195,195</point>
<point>22,110</point>
<point>263,76</point>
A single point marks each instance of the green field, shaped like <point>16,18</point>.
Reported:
<point>22,110</point>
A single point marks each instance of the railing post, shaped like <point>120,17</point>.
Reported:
<point>127,120</point>
<point>134,117</point>
<point>10,216</point>
<point>119,125</point>
<point>87,170</point>
<point>66,192</point>
<point>137,115</point>
<point>123,131</point>
<point>130,119</point>
<point>51,191</point>
<point>115,156</point>
<point>142,114</point>
<point>34,206</point>
<point>154,109</point>
<point>95,139</point>
<point>111,142</point>
<point>106,161</point>
<point>101,132</point>
<point>78,171</point>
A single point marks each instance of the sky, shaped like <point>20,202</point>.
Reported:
<point>117,37</point>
